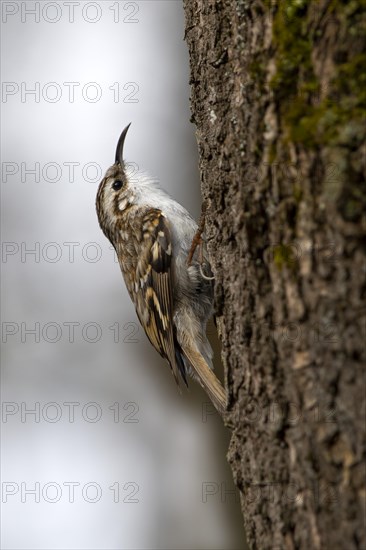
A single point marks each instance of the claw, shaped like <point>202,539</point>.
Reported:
<point>197,239</point>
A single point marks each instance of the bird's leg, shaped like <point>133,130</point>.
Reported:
<point>197,239</point>
<point>206,277</point>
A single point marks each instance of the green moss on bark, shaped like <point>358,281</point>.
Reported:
<point>338,117</point>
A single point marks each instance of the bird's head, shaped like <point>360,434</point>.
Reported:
<point>115,192</point>
<point>122,189</point>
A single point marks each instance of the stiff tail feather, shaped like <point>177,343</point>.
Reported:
<point>207,378</point>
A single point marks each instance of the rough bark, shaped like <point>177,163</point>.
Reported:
<point>278,99</point>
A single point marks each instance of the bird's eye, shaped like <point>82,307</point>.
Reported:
<point>117,185</point>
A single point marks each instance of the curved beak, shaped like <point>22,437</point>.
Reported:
<point>119,150</point>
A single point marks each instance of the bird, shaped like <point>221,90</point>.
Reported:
<point>170,285</point>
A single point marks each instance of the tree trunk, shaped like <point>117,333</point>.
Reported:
<point>278,99</point>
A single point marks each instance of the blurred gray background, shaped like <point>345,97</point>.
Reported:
<point>112,456</point>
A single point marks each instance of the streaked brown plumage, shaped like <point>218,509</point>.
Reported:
<point>151,234</point>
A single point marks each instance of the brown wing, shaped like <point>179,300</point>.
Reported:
<point>152,294</point>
